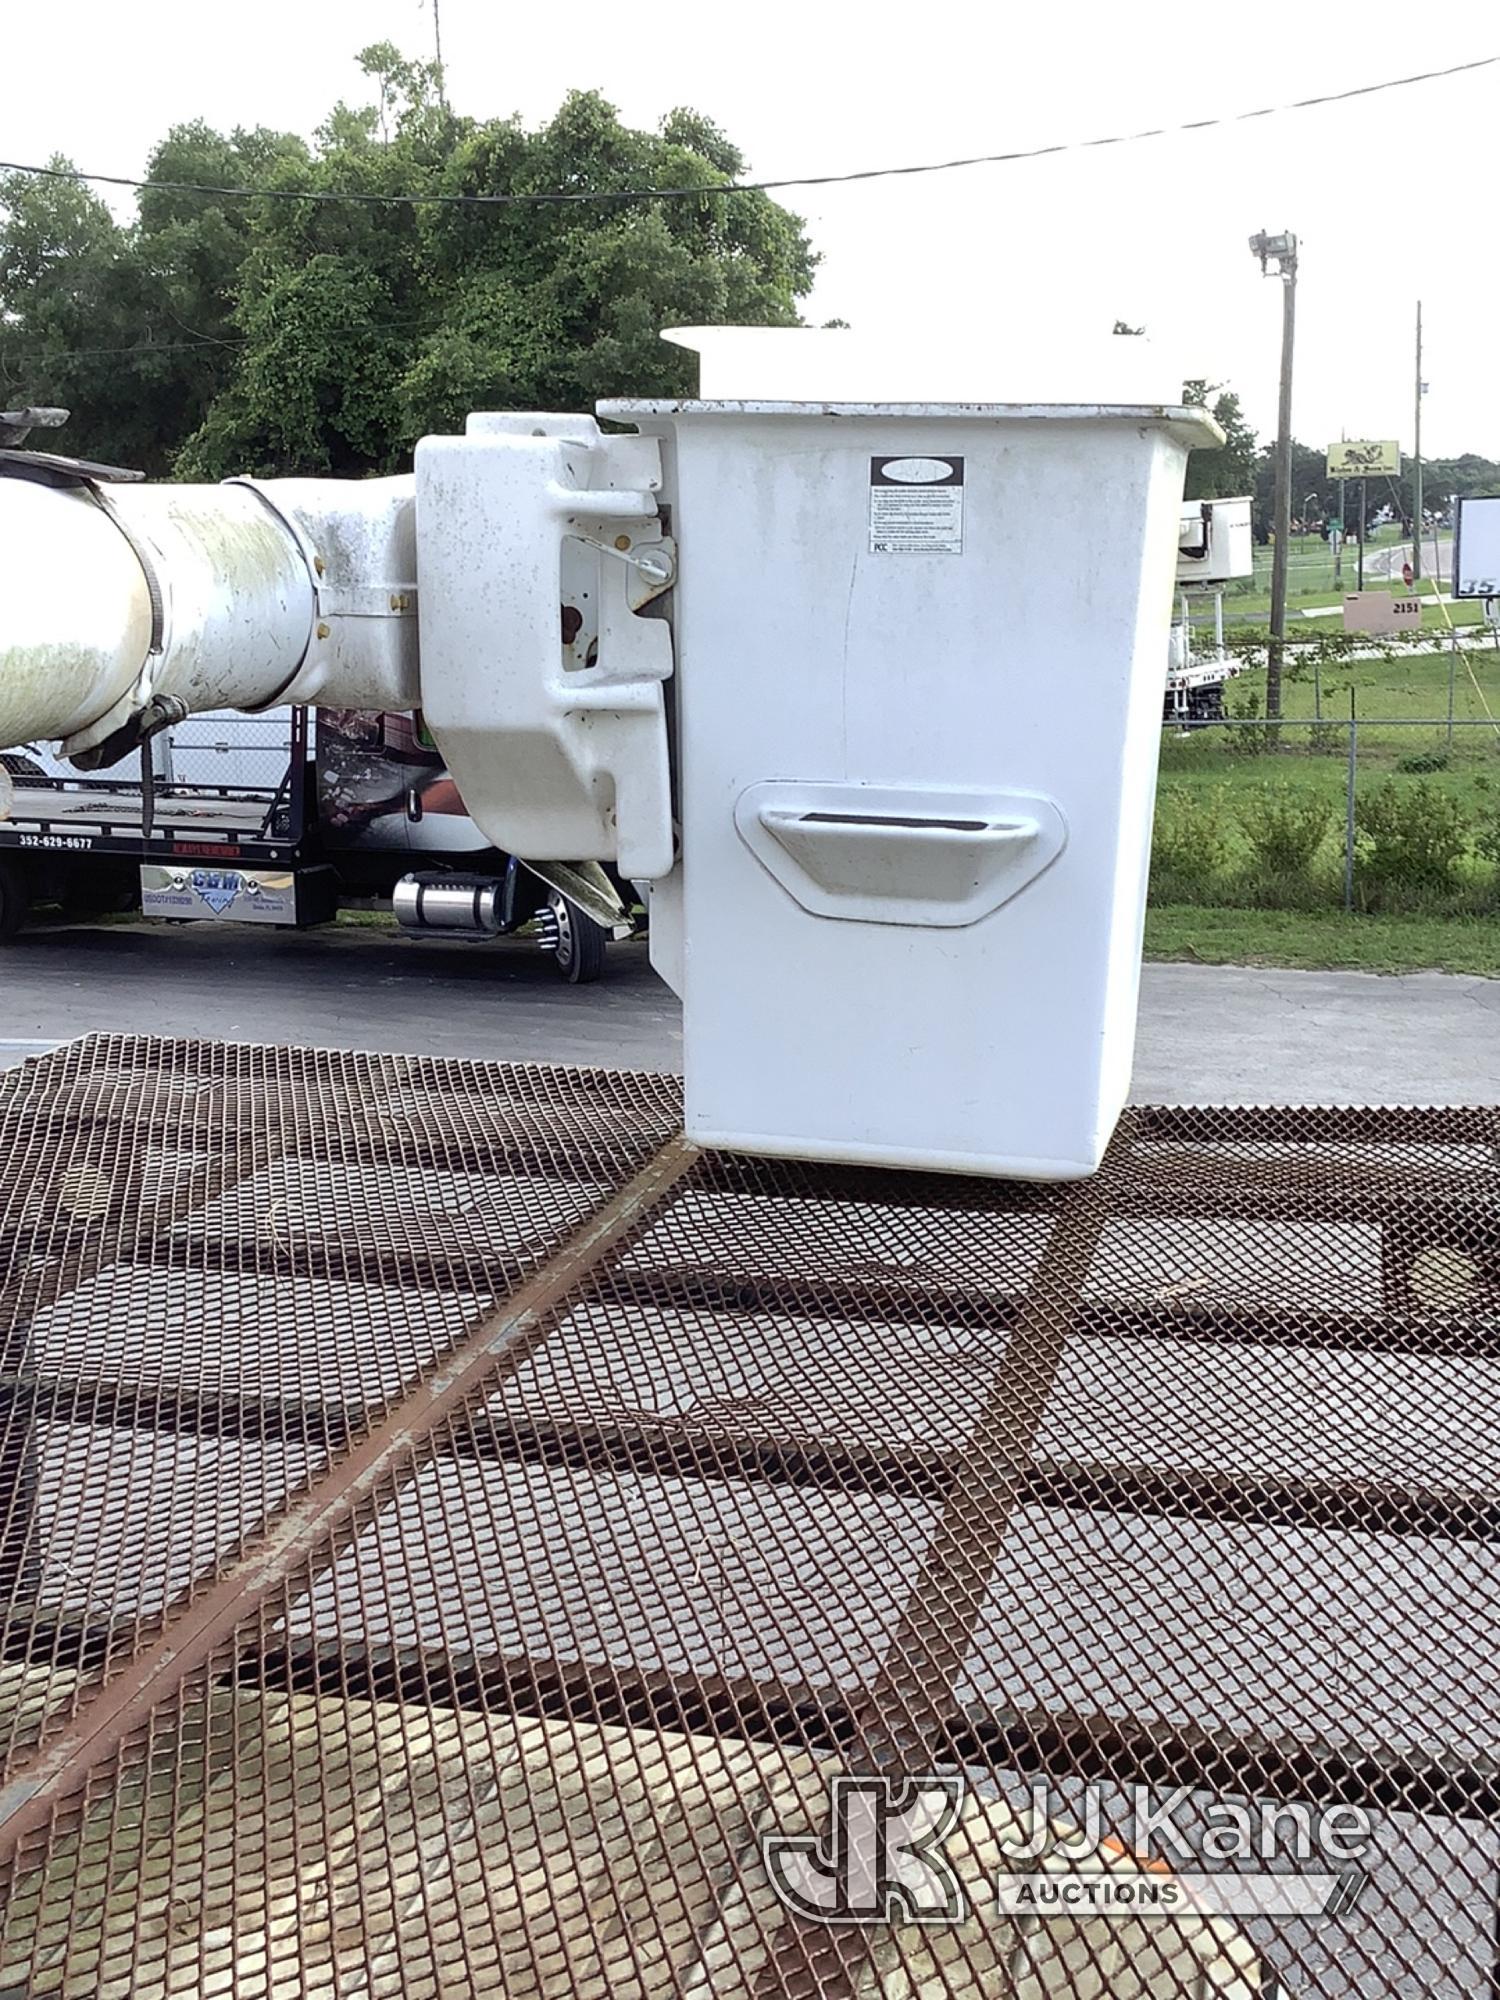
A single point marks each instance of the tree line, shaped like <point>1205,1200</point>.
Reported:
<point>1245,465</point>
<point>208,336</point>
<point>1317,501</point>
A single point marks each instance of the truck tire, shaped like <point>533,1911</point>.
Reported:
<point>106,895</point>
<point>579,954</point>
<point>15,899</point>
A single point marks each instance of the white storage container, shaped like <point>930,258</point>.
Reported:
<point>919,652</point>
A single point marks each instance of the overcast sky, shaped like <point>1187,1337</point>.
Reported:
<point>1393,197</point>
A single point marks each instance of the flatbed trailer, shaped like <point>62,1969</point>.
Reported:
<point>288,852</point>
<point>83,838</point>
<point>94,819</point>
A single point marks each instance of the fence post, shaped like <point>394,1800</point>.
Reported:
<point>1349,813</point>
<point>1452,665</point>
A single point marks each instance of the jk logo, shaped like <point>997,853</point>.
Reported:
<point>880,1861</point>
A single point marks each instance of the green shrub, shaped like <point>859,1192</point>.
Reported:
<point>1284,828</point>
<point>1423,762</point>
<point>1244,705</point>
<point>1411,837</point>
<point>1487,833</point>
<point>1187,846</point>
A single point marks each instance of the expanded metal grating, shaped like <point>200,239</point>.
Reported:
<point>448,1525</point>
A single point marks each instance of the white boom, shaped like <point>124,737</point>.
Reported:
<point>127,606</point>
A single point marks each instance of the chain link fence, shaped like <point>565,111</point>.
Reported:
<point>220,751</point>
<point>227,752</point>
<point>1363,811</point>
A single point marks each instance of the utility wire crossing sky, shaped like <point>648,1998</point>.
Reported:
<point>1386,175</point>
<point>568,196</point>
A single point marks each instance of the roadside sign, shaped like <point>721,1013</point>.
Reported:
<point>1378,614</point>
<point>1476,556</point>
<point>1364,458</point>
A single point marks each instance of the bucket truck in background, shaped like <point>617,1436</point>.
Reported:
<point>1214,546</point>
<point>283,819</point>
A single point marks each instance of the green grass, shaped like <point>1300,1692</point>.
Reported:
<point>1409,688</point>
<point>1311,581</point>
<point>1310,562</point>
<point>1241,613</point>
<point>1241,914</point>
<point>1323,938</point>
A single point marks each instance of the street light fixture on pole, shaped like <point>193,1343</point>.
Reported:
<point>1283,249</point>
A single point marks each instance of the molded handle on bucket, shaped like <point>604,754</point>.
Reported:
<point>875,855</point>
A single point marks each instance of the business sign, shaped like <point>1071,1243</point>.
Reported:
<point>1379,614</point>
<point>1476,559</point>
<point>1364,458</point>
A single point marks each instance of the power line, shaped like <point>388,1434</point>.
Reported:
<point>51,357</point>
<point>141,347</point>
<point>567,197</point>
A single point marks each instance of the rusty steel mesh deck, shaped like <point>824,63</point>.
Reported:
<point>446,1522</point>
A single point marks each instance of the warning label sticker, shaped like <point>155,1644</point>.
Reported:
<point>916,506</point>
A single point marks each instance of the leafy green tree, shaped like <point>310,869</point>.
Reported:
<point>213,335</point>
<point>1314,495</point>
<point>71,309</point>
<point>129,327</point>
<point>1229,471</point>
<point>1446,479</point>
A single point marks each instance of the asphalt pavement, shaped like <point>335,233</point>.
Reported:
<point>1208,1034</point>
<point>1386,563</point>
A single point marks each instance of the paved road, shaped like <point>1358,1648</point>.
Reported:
<point>342,988</point>
<point>1208,1033</point>
<point>1386,563</point>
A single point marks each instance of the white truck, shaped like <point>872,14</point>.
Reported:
<point>1214,546</point>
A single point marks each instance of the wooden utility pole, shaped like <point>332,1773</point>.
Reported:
<point>1416,464</point>
<point>1284,249</point>
<point>437,51</point>
<point>1342,536</point>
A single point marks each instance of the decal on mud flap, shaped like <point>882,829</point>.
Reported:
<point>246,895</point>
<point>217,886</point>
